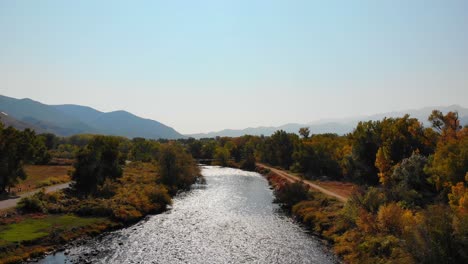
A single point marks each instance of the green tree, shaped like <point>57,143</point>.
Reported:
<point>12,156</point>
<point>292,193</point>
<point>208,149</point>
<point>282,147</point>
<point>176,167</point>
<point>144,150</point>
<point>365,141</point>
<point>222,156</point>
<point>95,163</point>
<point>195,148</point>
<point>409,183</point>
<point>50,140</point>
<point>248,157</point>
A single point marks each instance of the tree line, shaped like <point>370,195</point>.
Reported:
<point>409,175</point>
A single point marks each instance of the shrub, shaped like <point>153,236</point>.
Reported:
<point>292,193</point>
<point>31,204</point>
<point>96,207</point>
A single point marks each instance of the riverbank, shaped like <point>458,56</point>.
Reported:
<point>46,222</point>
<point>231,219</point>
<point>364,229</point>
<point>338,190</point>
<point>314,209</point>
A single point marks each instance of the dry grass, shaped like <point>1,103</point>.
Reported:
<point>342,188</point>
<point>39,176</point>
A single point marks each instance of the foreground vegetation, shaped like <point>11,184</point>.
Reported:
<point>411,200</point>
<point>410,204</point>
<point>108,191</point>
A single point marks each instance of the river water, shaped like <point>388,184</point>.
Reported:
<point>231,219</point>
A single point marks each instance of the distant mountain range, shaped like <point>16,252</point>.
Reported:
<point>66,120</point>
<point>339,126</point>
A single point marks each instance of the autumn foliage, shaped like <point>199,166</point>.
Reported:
<point>412,206</point>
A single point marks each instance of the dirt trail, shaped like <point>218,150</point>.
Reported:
<point>14,200</point>
<point>294,178</point>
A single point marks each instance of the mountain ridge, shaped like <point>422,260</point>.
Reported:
<point>339,126</point>
<point>70,119</point>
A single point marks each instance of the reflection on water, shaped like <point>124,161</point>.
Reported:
<point>230,220</point>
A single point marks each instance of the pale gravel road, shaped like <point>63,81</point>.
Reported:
<point>294,178</point>
<point>4,204</point>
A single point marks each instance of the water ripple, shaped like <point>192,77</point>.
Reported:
<point>231,220</point>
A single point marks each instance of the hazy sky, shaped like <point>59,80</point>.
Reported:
<point>200,66</point>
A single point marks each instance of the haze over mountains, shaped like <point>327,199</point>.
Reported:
<point>339,126</point>
<point>66,120</point>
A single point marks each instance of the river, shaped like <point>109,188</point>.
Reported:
<point>230,219</point>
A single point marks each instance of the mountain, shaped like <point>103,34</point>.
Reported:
<point>83,113</point>
<point>66,120</point>
<point>119,123</point>
<point>328,127</point>
<point>339,126</point>
<point>42,116</point>
<point>8,120</point>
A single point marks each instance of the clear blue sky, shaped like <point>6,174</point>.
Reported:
<point>207,65</point>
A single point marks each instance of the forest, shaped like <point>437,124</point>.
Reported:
<point>410,204</point>
<point>115,182</point>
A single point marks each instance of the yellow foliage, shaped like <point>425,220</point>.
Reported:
<point>366,222</point>
<point>391,218</point>
<point>458,198</point>
<point>384,164</point>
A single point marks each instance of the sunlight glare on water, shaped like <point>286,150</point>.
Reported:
<point>231,219</point>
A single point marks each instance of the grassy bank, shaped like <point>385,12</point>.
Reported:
<point>28,236</point>
<point>46,221</point>
<point>317,211</point>
<point>39,176</point>
<point>370,229</point>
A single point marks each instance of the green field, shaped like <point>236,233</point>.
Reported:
<point>35,228</point>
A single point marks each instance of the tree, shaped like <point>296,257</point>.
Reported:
<point>365,141</point>
<point>12,156</point>
<point>409,183</point>
<point>34,147</point>
<point>282,147</point>
<point>50,140</point>
<point>248,157</point>
<point>383,144</point>
<point>320,155</point>
<point>176,167</point>
<point>95,163</point>
<point>222,156</point>
<point>292,193</point>
<point>449,163</point>
<point>304,132</point>
<point>144,150</point>
<point>383,163</point>
<point>447,125</point>
<point>208,150</point>
<point>195,148</point>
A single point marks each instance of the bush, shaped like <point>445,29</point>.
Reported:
<point>292,193</point>
<point>48,182</point>
<point>31,204</point>
<point>248,163</point>
<point>160,195</point>
<point>96,207</point>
